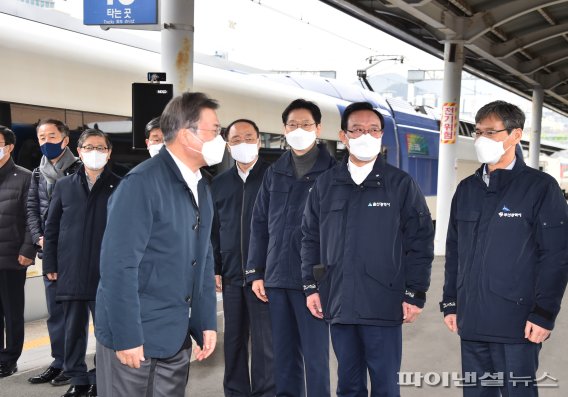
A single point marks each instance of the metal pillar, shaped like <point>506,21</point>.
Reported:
<point>534,148</point>
<point>449,124</point>
<point>177,43</point>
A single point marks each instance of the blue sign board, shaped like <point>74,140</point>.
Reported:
<point>120,12</point>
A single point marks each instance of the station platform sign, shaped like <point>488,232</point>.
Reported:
<point>120,12</point>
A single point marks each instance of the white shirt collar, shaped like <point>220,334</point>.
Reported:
<point>244,175</point>
<point>358,174</point>
<point>190,177</point>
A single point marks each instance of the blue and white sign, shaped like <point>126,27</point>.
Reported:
<point>120,12</point>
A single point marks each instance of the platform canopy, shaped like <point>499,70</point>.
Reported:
<point>519,45</point>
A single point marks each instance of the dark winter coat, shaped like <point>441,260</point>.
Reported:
<point>234,201</point>
<point>506,254</point>
<point>274,252</point>
<point>74,231</point>
<point>38,201</point>
<point>375,242</point>
<point>15,239</point>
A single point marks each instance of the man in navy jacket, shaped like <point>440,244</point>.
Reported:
<point>367,253</point>
<point>72,242</point>
<point>506,259</point>
<point>274,265</point>
<point>234,192</point>
<point>157,284</point>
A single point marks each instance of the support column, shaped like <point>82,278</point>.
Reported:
<point>534,147</point>
<point>177,43</point>
<point>449,125</point>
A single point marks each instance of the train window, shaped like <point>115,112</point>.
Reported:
<point>31,114</point>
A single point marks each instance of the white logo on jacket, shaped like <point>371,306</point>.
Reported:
<point>378,204</point>
<point>506,212</point>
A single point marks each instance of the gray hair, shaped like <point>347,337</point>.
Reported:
<point>184,111</point>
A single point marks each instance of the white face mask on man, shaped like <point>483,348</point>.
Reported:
<point>244,153</point>
<point>154,149</point>
<point>212,151</point>
<point>365,148</point>
<point>94,160</point>
<point>489,151</point>
<point>300,139</point>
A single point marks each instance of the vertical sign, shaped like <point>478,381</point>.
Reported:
<point>120,12</point>
<point>449,123</point>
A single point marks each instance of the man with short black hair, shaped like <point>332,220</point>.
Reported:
<point>57,161</point>
<point>300,341</point>
<point>154,136</point>
<point>234,193</point>
<point>506,259</point>
<point>367,252</point>
<point>16,254</point>
<point>157,287</point>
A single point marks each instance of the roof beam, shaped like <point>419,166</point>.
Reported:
<point>508,48</point>
<point>434,15</point>
<point>553,80</point>
<point>482,22</point>
<point>543,61</point>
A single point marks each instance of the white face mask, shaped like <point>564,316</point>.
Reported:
<point>94,160</point>
<point>212,151</point>
<point>300,139</point>
<point>1,153</point>
<point>489,151</point>
<point>244,153</point>
<point>365,148</point>
<point>154,149</point>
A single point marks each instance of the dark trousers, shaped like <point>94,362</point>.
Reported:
<point>246,315</point>
<point>362,348</point>
<point>299,341</point>
<point>494,369</point>
<point>12,302</point>
<point>76,338</point>
<point>55,324</point>
<point>155,378</point>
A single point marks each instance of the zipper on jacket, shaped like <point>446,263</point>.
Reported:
<point>242,245</point>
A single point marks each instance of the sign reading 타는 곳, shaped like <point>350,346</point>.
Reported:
<point>449,123</point>
<point>120,12</point>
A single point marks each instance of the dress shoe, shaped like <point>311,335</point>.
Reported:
<point>92,391</point>
<point>46,376</point>
<point>77,391</point>
<point>7,368</point>
<point>61,380</point>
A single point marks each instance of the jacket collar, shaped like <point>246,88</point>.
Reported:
<point>166,157</point>
<point>254,170</point>
<point>285,166</point>
<point>343,176</point>
<point>499,179</point>
<point>7,168</point>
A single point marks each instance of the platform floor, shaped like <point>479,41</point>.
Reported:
<point>429,349</point>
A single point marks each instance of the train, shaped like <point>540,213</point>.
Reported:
<point>83,77</point>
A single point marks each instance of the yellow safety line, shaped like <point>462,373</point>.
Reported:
<point>44,341</point>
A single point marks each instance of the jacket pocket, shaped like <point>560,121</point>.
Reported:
<point>332,229</point>
<point>467,223</point>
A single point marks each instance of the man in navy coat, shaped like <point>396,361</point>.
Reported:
<point>72,242</point>
<point>157,287</point>
<point>367,252</point>
<point>300,341</point>
<point>506,260</point>
<point>234,192</point>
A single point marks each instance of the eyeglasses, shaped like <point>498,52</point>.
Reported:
<point>293,126</point>
<point>90,148</point>
<point>357,132</point>
<point>155,141</point>
<point>489,133</point>
<point>217,130</point>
